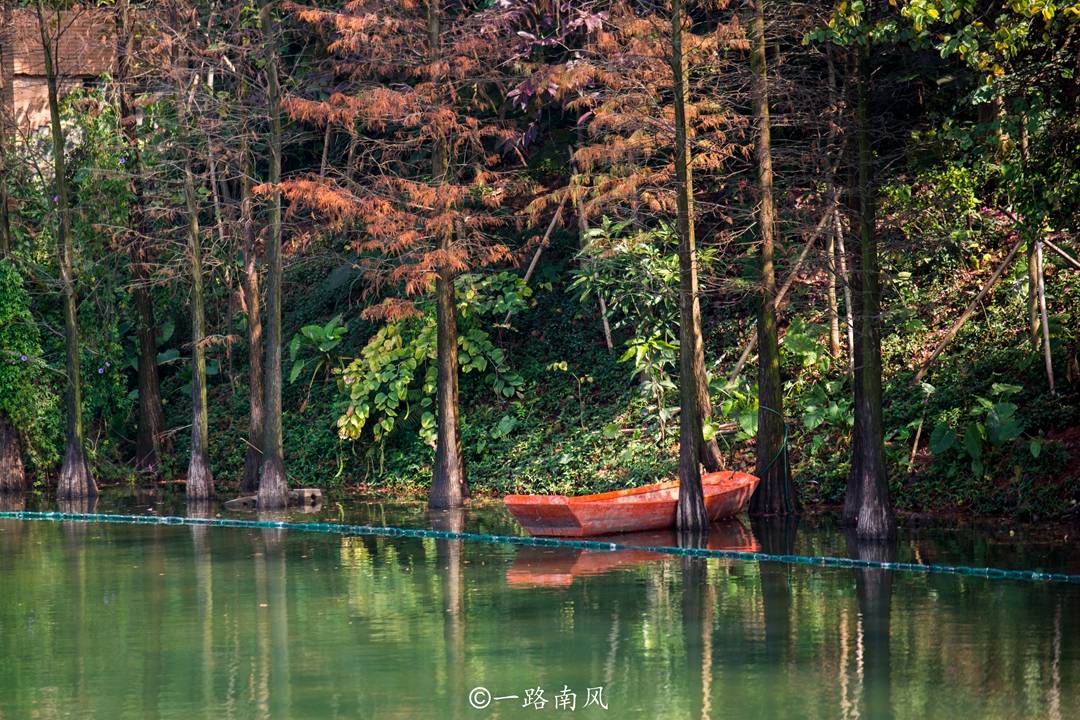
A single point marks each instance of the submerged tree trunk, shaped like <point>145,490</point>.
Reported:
<point>876,518</point>
<point>249,280</point>
<point>151,418</point>
<point>690,514</point>
<point>449,487</point>
<point>273,487</point>
<point>775,495</point>
<point>75,478</point>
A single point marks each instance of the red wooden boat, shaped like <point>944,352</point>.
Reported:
<point>651,507</point>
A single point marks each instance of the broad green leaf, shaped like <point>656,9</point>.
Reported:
<point>1005,389</point>
<point>941,439</point>
<point>708,431</point>
<point>297,368</point>
<point>973,441</point>
<point>167,329</point>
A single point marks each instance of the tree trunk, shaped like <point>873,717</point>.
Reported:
<point>845,279</point>
<point>690,514</point>
<point>1033,294</point>
<point>328,135</point>
<point>853,494</point>
<point>1047,357</point>
<point>831,250</point>
<point>775,495</point>
<point>12,475</point>
<point>876,518</point>
<point>350,160</point>
<point>1032,260</point>
<point>838,256</point>
<point>273,487</point>
<point>200,481</point>
<point>7,111</point>
<point>151,418</point>
<point>75,478</point>
<point>833,269</point>
<point>449,486</point>
<point>709,451</point>
<point>249,280</point>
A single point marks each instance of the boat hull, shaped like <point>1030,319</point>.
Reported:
<point>646,508</point>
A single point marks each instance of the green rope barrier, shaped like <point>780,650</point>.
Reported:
<point>371,530</point>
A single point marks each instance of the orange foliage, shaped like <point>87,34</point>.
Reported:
<point>390,310</point>
<point>620,84</point>
<point>409,103</point>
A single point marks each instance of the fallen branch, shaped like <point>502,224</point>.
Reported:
<point>1072,261</point>
<point>1043,316</point>
<point>583,234</point>
<point>752,341</point>
<point>849,317</point>
<point>967,312</point>
<point>540,248</point>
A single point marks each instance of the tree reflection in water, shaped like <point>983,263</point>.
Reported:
<point>448,562</point>
<point>272,623</point>
<point>698,601</point>
<point>873,590</point>
<point>166,622</point>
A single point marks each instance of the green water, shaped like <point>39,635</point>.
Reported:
<point>117,621</point>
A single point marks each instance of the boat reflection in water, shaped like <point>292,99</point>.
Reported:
<point>557,567</point>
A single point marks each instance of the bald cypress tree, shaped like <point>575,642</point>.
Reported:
<point>775,494</point>
<point>424,213</point>
<point>76,481</point>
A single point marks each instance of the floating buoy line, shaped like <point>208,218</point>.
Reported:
<point>344,529</point>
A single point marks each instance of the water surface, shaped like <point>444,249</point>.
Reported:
<point>123,621</point>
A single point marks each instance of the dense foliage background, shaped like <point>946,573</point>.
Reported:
<point>974,114</point>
